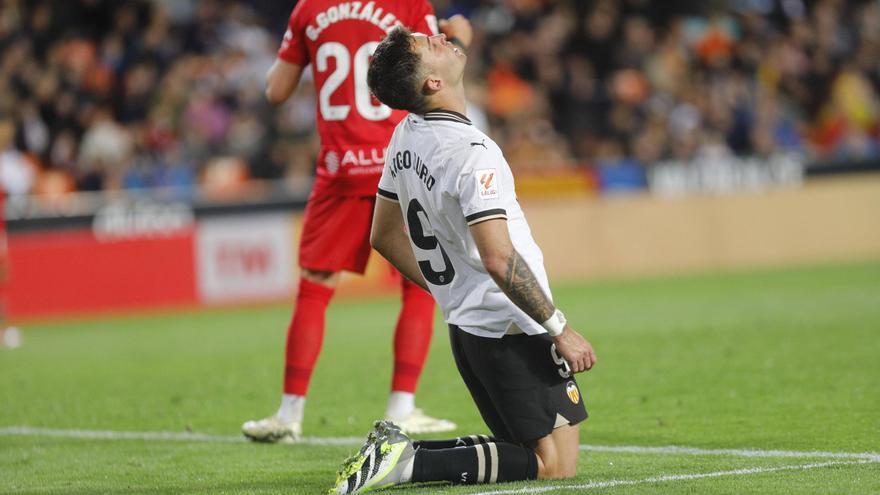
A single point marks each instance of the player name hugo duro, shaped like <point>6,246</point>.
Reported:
<point>407,160</point>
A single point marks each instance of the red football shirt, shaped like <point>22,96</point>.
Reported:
<point>337,39</point>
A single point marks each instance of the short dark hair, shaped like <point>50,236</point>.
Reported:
<point>393,76</point>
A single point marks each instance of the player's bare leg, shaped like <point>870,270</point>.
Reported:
<point>558,453</point>
<point>465,460</point>
<point>397,459</point>
<point>304,338</point>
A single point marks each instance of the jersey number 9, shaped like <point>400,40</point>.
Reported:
<point>414,215</point>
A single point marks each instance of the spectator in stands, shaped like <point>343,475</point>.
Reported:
<point>17,173</point>
<point>175,85</point>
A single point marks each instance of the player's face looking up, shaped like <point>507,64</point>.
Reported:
<point>442,61</point>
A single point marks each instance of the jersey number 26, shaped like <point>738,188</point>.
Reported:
<point>363,101</point>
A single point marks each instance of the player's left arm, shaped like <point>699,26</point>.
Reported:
<point>388,237</point>
<point>509,270</point>
<point>514,277</point>
<point>281,81</point>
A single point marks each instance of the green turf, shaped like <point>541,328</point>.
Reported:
<point>776,359</point>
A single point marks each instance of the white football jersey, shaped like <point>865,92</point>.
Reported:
<point>447,175</point>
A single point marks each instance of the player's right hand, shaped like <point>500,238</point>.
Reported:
<point>575,349</point>
<point>458,27</point>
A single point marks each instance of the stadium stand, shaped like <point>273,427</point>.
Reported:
<point>105,95</point>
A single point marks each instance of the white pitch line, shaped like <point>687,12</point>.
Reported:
<point>677,450</point>
<point>352,441</point>
<point>675,477</point>
<point>161,436</point>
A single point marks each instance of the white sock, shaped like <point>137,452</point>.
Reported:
<point>400,405</point>
<point>291,408</point>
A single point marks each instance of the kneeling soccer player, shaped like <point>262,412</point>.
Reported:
<point>449,220</point>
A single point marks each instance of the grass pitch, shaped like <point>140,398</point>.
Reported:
<point>730,365</point>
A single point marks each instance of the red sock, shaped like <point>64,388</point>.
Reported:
<point>305,335</point>
<point>412,337</point>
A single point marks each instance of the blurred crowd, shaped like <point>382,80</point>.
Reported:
<point>109,95</point>
<point>623,85</point>
<point>101,94</point>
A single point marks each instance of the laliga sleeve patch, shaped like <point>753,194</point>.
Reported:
<point>487,183</point>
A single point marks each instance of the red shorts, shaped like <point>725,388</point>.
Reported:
<point>336,233</point>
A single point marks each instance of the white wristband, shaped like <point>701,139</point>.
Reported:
<point>556,324</point>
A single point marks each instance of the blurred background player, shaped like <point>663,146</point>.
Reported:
<point>9,336</point>
<point>337,39</point>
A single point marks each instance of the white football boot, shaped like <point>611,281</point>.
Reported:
<point>419,422</point>
<point>272,430</point>
<point>384,460</point>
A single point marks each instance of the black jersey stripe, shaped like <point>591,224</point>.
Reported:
<point>441,114</point>
<point>457,121</point>
<point>387,195</point>
<point>485,215</point>
<point>451,113</point>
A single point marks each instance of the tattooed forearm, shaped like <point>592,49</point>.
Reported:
<point>523,289</point>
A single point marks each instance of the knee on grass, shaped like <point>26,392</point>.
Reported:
<point>555,468</point>
<point>555,461</point>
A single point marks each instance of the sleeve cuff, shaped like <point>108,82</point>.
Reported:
<point>388,195</point>
<point>482,216</point>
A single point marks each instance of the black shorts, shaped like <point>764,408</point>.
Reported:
<point>521,386</point>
